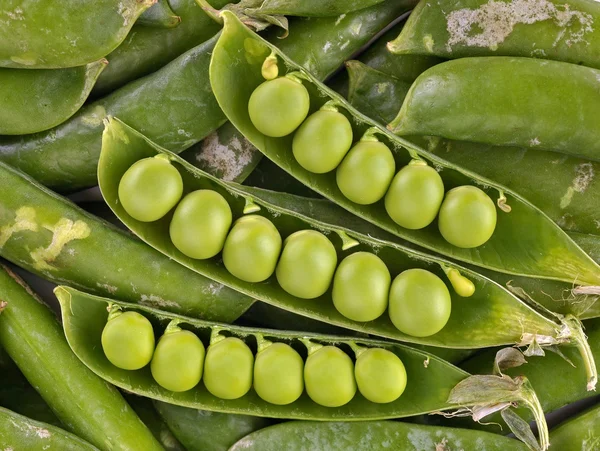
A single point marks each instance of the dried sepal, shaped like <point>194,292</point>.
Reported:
<point>520,428</point>
<point>507,358</point>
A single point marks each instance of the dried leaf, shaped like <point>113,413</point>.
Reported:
<point>484,389</point>
<point>507,358</point>
<point>534,349</point>
<point>521,429</point>
<point>558,350</point>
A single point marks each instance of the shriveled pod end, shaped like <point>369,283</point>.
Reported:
<point>462,286</point>
<point>269,69</point>
<point>577,336</point>
<point>502,205</point>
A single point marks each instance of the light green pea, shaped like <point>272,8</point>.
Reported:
<point>128,340</point>
<point>278,375</point>
<point>252,248</point>
<point>228,368</point>
<point>361,286</point>
<point>420,303</point>
<point>380,375</point>
<point>200,224</point>
<point>329,377</point>
<point>307,264</point>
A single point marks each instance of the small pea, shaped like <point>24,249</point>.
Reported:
<point>252,248</point>
<point>200,224</point>
<point>278,375</point>
<point>128,341</point>
<point>420,303</point>
<point>380,375</point>
<point>307,264</point>
<point>278,107</point>
<point>228,368</point>
<point>467,217</point>
<point>320,143</point>
<point>366,172</point>
<point>178,361</point>
<point>150,188</point>
<point>329,377</point>
<point>415,195</point>
<point>361,286</point>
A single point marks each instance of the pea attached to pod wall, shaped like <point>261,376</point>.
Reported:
<point>380,374</point>
<point>228,367</point>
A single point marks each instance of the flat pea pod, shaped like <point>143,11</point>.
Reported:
<point>32,337</point>
<point>84,317</point>
<point>50,34</point>
<point>53,238</point>
<point>380,375</point>
<point>524,224</point>
<point>548,105</point>
<point>159,15</point>
<point>576,433</point>
<point>37,100</point>
<point>463,28</point>
<point>278,373</point>
<point>228,368</point>
<point>128,340</point>
<point>19,432</point>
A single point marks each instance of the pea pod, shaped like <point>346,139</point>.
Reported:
<point>577,433</point>
<point>33,338</point>
<point>524,227</point>
<point>19,432</point>
<point>46,34</point>
<point>539,29</point>
<point>159,15</point>
<point>306,8</point>
<point>47,235</point>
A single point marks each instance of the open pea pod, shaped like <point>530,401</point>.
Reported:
<point>84,317</point>
<point>525,242</point>
<point>50,34</point>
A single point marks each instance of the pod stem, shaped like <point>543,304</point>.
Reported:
<point>173,327</point>
<point>269,69</point>
<point>114,310</point>
<point>330,105</point>
<point>369,135</point>
<point>296,76</point>
<point>502,205</point>
<point>358,350</point>
<point>310,346</point>
<point>164,157</point>
<point>250,206</point>
<point>211,12</point>
<point>579,339</point>
<point>347,241</point>
<point>261,343</point>
<point>215,335</point>
<point>530,400</point>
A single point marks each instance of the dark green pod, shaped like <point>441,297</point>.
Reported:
<point>579,433</point>
<point>159,15</point>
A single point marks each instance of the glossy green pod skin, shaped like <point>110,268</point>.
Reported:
<point>462,28</point>
<point>203,430</point>
<point>84,317</point>
<point>36,100</point>
<point>50,34</point>
<point>525,225</point>
<point>578,433</point>
<point>32,336</point>
<point>90,254</point>
<point>371,435</point>
<point>547,105</point>
<point>19,432</point>
<point>159,15</point>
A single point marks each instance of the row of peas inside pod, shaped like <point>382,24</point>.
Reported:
<point>229,369</point>
<point>366,171</point>
<point>305,264</point>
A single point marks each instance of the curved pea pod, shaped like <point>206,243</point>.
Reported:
<point>159,15</point>
<point>84,317</point>
<point>548,105</point>
<point>48,235</point>
<point>524,227</point>
<point>50,34</point>
<point>19,432</point>
<point>202,430</point>
<point>580,432</point>
<point>33,338</point>
<point>297,436</point>
<point>151,418</point>
<point>36,100</point>
<point>540,29</point>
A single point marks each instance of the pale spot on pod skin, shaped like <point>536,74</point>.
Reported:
<point>24,220</point>
<point>64,231</point>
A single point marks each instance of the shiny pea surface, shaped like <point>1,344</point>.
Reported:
<point>329,377</point>
<point>128,341</point>
<point>278,374</point>
<point>307,264</point>
<point>228,368</point>
<point>380,375</point>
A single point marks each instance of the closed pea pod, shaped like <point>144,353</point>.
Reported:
<point>228,367</point>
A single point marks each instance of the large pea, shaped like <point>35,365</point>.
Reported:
<point>415,195</point>
<point>252,248</point>
<point>278,375</point>
<point>307,264</point>
<point>366,172</point>
<point>200,224</point>
<point>467,217</point>
<point>278,107</point>
<point>178,361</point>
<point>128,341</point>
<point>380,375</point>
<point>228,368</point>
<point>361,286</point>
<point>320,143</point>
<point>420,303</point>
<point>150,188</point>
<point>329,377</point>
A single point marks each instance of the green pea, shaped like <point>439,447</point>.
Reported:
<point>329,377</point>
<point>150,188</point>
<point>252,248</point>
<point>228,368</point>
<point>467,217</point>
<point>361,286</point>
<point>380,375</point>
<point>278,374</point>
<point>321,142</point>
<point>128,341</point>
<point>366,172</point>
<point>178,361</point>
<point>415,196</point>
<point>277,107</point>
<point>420,303</point>
<point>307,264</point>
<point>200,224</point>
